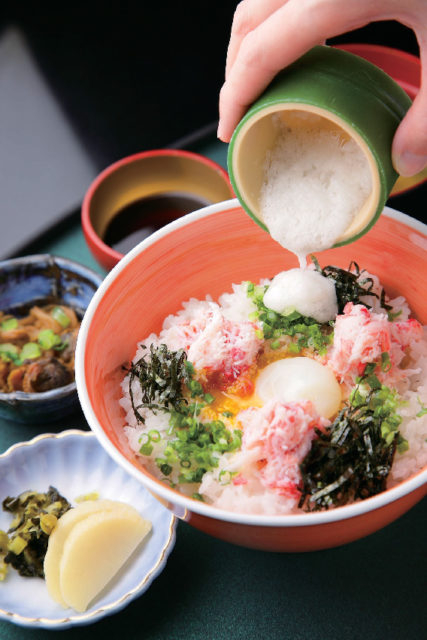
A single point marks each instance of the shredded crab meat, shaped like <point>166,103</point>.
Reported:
<point>361,336</point>
<point>213,342</point>
<point>281,433</point>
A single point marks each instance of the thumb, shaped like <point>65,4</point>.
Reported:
<point>409,150</point>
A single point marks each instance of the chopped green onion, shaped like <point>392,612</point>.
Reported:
<point>249,287</point>
<point>373,381</point>
<point>423,410</point>
<point>208,397</point>
<point>166,469</point>
<point>30,351</point>
<point>385,361</point>
<point>9,353</point>
<point>9,324</point>
<point>391,315</point>
<point>307,331</point>
<point>195,387</point>
<point>189,367</point>
<point>402,444</point>
<point>48,339</point>
<point>369,368</point>
<point>146,449</point>
<point>60,316</point>
<point>290,311</point>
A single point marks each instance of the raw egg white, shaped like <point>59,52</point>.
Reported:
<point>301,378</point>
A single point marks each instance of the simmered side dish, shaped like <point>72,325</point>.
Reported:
<point>37,350</point>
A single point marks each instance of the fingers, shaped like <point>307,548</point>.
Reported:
<point>409,151</point>
<point>268,35</point>
<point>249,14</point>
<point>282,37</point>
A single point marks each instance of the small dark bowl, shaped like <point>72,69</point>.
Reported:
<point>43,279</point>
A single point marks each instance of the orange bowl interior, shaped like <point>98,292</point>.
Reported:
<point>205,257</point>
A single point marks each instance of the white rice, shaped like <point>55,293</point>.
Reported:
<point>253,496</point>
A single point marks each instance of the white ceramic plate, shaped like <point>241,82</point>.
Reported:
<point>75,464</point>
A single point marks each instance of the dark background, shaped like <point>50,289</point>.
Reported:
<point>140,75</point>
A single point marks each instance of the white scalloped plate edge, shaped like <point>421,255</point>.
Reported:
<point>34,459</point>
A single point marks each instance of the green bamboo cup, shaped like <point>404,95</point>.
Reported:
<point>342,93</point>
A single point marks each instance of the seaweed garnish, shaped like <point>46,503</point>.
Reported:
<point>352,458</point>
<point>161,375</point>
<point>350,285</point>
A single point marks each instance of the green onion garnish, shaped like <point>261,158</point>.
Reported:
<point>60,316</point>
<point>146,449</point>
<point>48,339</point>
<point>385,361</point>
<point>30,351</point>
<point>195,387</point>
<point>9,353</point>
<point>9,324</point>
<point>305,331</point>
<point>423,410</point>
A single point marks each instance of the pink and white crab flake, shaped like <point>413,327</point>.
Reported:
<point>281,434</point>
<point>213,342</point>
<point>361,336</point>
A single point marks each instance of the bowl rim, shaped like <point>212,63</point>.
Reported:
<point>17,397</point>
<point>172,496</point>
<point>92,237</point>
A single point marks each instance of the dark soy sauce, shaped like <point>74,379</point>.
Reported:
<point>141,218</point>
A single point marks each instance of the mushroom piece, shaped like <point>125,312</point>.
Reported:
<point>45,374</point>
<point>70,338</point>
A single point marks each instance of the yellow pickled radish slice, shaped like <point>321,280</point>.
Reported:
<point>59,535</point>
<point>94,551</point>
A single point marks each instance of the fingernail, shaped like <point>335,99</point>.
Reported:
<point>408,164</point>
<point>221,133</point>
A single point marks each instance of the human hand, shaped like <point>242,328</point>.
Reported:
<point>268,35</point>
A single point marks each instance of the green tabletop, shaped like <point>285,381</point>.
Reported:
<point>374,588</point>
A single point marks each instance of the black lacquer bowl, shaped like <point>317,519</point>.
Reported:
<point>43,279</point>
